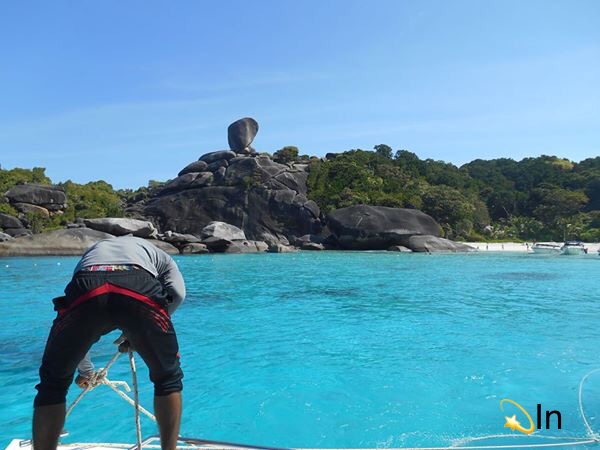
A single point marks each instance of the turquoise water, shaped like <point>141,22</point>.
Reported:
<point>334,349</point>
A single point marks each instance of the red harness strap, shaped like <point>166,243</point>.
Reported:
<point>107,288</point>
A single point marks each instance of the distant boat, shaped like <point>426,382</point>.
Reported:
<point>546,248</point>
<point>573,248</point>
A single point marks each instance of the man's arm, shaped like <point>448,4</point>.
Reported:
<point>172,280</point>
<point>86,370</point>
<point>85,366</point>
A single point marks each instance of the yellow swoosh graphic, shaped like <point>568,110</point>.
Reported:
<point>512,423</point>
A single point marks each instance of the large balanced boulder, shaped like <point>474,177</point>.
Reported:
<point>52,198</point>
<point>364,227</point>
<point>120,226</point>
<point>431,244</point>
<point>241,133</point>
<point>60,242</point>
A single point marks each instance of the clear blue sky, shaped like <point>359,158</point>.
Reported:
<point>128,91</point>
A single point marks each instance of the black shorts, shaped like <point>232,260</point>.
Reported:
<point>97,303</point>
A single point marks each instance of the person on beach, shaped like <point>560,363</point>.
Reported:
<point>125,283</point>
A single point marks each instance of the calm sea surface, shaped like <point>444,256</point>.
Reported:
<point>334,349</point>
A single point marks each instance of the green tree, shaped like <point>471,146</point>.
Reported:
<point>286,154</point>
<point>525,228</point>
<point>555,203</point>
<point>383,150</point>
<point>9,178</point>
<point>501,203</point>
<point>91,200</point>
<point>449,207</point>
<point>410,163</point>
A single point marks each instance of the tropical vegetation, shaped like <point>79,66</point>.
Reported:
<point>541,198</point>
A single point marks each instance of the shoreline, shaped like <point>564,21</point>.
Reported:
<point>75,241</point>
<point>521,247</point>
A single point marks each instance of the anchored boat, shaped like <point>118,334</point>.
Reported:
<point>153,442</point>
<point>573,248</point>
<point>546,248</point>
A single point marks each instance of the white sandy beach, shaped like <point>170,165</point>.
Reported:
<point>521,247</point>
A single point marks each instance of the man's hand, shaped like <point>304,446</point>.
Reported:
<point>123,343</point>
<point>125,346</point>
<point>83,381</point>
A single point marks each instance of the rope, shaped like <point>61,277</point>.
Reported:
<point>112,385</point>
<point>585,422</point>
<point>575,441</point>
<point>572,442</point>
<point>136,397</point>
<point>96,379</point>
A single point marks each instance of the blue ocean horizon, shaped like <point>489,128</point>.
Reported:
<point>338,349</point>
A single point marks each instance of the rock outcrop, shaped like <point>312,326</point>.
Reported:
<point>17,232</point>
<point>170,249</point>
<point>66,242</point>
<point>52,198</point>
<point>31,200</point>
<point>223,231</point>
<point>363,227</point>
<point>312,246</point>
<point>178,238</point>
<point>310,242</point>
<point>234,201</point>
<point>118,226</point>
<point>399,248</point>
<point>8,221</point>
<point>247,247</point>
<point>220,156</point>
<point>196,166</point>
<point>281,248</point>
<point>194,248</point>
<point>431,244</point>
<point>28,208</point>
<point>266,199</point>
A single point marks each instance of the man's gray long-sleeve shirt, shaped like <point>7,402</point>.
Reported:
<point>133,250</point>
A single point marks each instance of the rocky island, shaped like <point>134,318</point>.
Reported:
<point>234,201</point>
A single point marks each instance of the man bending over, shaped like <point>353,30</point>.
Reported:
<point>125,283</point>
